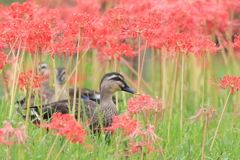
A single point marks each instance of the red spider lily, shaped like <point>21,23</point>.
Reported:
<point>39,37</point>
<point>65,125</point>
<point>29,79</point>
<point>23,11</point>
<point>144,102</point>
<point>189,43</point>
<point>214,14</point>
<point>77,21</point>
<point>10,135</point>
<point>138,146</point>
<point>117,17</point>
<point>29,27</point>
<point>3,60</point>
<point>117,50</point>
<point>236,43</point>
<point>122,121</point>
<point>229,82</point>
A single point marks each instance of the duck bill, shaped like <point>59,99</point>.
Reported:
<point>56,85</point>
<point>130,90</point>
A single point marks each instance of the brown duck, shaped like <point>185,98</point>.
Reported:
<point>95,113</point>
<point>61,78</point>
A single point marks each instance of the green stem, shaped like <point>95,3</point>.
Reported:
<point>204,74</point>
<point>219,122</point>
<point>204,139</point>
<point>163,75</point>
<point>181,108</point>
<point>30,94</point>
<point>52,147</point>
<point>136,73</point>
<point>153,71</point>
<point>64,145</point>
<point>139,60</point>
<point>172,97</point>
<point>8,152</point>
<point>75,80</point>
<point>117,147</point>
<point>15,80</point>
<point>74,69</point>
<point>143,60</point>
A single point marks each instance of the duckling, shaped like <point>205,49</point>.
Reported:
<point>110,83</point>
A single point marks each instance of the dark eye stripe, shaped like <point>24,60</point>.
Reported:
<point>116,79</point>
<point>43,67</point>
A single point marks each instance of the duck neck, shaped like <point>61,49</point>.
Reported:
<point>64,92</point>
<point>45,82</point>
<point>106,100</point>
<point>45,85</point>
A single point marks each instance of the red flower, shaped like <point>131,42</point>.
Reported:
<point>24,11</point>
<point>39,37</point>
<point>3,60</point>
<point>122,121</point>
<point>190,43</point>
<point>236,43</point>
<point>118,50</point>
<point>29,79</point>
<point>65,125</point>
<point>230,82</point>
<point>117,17</point>
<point>10,135</point>
<point>144,102</point>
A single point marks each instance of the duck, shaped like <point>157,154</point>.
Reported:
<point>61,79</point>
<point>42,69</point>
<point>98,115</point>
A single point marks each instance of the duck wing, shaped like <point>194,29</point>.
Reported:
<point>86,108</point>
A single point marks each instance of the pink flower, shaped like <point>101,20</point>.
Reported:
<point>11,136</point>
<point>149,132</point>
<point>144,102</point>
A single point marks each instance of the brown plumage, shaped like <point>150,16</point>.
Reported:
<point>110,83</point>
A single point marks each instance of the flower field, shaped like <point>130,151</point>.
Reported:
<point>181,55</point>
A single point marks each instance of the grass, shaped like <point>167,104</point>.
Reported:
<point>185,83</point>
<point>184,142</point>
